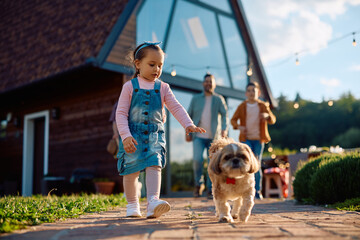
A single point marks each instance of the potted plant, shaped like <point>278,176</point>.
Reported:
<point>104,185</point>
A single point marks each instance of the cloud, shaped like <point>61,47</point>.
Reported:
<point>330,83</point>
<point>284,8</point>
<point>355,68</point>
<point>290,26</point>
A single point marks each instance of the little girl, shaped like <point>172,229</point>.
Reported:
<point>140,118</point>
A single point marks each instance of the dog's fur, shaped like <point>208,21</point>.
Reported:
<point>236,161</point>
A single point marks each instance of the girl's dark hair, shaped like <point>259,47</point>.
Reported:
<point>138,55</point>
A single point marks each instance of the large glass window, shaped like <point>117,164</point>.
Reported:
<point>235,51</point>
<point>202,37</point>
<point>222,5</point>
<point>198,36</point>
<point>180,151</point>
<point>232,106</point>
<point>194,45</point>
<point>177,132</point>
<point>152,20</point>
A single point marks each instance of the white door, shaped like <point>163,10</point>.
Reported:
<point>35,151</point>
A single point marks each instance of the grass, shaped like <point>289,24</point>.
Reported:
<point>17,212</point>
<point>349,205</point>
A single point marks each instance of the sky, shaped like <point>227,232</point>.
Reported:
<point>320,31</point>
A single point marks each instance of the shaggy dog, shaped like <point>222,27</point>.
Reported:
<point>231,170</point>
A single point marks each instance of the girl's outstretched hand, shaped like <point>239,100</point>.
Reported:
<point>129,144</point>
<point>194,128</point>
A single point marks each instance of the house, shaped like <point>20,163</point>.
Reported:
<point>63,64</point>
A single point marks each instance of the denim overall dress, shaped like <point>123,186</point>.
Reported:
<point>147,127</point>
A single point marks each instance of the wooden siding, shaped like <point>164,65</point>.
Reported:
<point>125,44</point>
<point>78,138</point>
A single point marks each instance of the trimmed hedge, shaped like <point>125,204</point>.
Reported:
<point>328,178</point>
<point>304,174</point>
<point>337,181</point>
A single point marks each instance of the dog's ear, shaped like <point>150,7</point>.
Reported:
<point>214,147</point>
<point>219,144</point>
<point>253,161</point>
<point>214,164</point>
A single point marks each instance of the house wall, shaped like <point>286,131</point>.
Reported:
<point>77,139</point>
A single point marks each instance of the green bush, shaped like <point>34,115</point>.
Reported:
<point>349,139</point>
<point>182,176</point>
<point>337,180</point>
<point>352,204</point>
<point>304,174</point>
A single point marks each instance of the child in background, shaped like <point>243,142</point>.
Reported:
<point>140,118</point>
<point>254,115</point>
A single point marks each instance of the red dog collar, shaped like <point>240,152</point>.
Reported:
<point>230,180</point>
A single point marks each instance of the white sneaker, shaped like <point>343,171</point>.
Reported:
<point>157,207</point>
<point>133,210</point>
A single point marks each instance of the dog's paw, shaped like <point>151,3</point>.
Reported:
<point>226,219</point>
<point>244,218</point>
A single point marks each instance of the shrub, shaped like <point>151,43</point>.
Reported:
<point>352,204</point>
<point>182,176</point>
<point>304,174</point>
<point>349,139</point>
<point>337,180</point>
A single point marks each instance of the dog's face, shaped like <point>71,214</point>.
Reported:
<point>233,160</point>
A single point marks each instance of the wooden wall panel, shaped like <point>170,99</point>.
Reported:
<point>125,44</point>
<point>78,138</point>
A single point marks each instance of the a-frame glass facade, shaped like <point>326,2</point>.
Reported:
<point>198,37</point>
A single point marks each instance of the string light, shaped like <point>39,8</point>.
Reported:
<point>173,72</point>
<point>330,103</point>
<point>296,105</point>
<point>354,41</point>
<point>297,62</point>
<point>207,69</point>
<point>249,71</point>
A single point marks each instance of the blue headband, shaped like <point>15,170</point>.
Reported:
<point>146,44</point>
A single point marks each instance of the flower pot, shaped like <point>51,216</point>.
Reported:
<point>104,187</point>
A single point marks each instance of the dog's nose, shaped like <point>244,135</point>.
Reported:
<point>236,163</point>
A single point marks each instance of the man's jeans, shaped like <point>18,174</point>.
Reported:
<point>257,147</point>
<point>199,145</point>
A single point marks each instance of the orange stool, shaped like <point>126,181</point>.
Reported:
<point>275,177</point>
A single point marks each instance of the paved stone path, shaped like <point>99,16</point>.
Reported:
<point>193,218</point>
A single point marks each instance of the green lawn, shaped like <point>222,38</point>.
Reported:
<point>349,205</point>
<point>18,212</point>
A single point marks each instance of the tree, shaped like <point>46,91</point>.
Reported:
<point>315,123</point>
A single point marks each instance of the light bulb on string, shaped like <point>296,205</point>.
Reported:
<point>173,72</point>
<point>207,69</point>
<point>354,41</point>
<point>297,62</point>
<point>249,71</point>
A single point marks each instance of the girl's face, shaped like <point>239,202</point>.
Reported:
<point>252,93</point>
<point>150,66</point>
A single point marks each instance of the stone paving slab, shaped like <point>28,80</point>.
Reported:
<point>194,218</point>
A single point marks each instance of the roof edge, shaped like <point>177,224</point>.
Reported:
<point>116,31</point>
<point>240,13</point>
